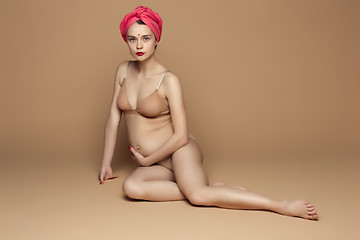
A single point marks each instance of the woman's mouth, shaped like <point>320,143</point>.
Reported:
<point>139,53</point>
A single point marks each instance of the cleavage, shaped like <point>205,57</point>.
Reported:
<point>144,92</point>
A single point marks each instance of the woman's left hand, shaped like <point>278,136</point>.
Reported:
<point>137,157</point>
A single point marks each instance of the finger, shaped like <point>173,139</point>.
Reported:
<point>133,150</point>
<point>111,178</point>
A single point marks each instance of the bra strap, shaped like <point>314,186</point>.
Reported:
<point>158,86</point>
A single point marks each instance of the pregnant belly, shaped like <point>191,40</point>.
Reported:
<point>148,135</point>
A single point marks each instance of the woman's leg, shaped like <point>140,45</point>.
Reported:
<point>154,183</point>
<point>192,181</point>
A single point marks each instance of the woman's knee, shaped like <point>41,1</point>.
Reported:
<point>133,189</point>
<point>198,197</point>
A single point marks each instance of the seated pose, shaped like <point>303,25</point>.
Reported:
<point>150,99</point>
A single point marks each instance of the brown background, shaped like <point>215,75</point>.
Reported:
<point>272,95</point>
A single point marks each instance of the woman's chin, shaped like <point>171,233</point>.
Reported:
<point>140,58</point>
<point>143,58</point>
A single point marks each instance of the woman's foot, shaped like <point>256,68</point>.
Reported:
<point>222,184</point>
<point>299,208</point>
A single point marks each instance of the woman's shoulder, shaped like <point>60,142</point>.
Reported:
<point>123,65</point>
<point>171,77</point>
<point>171,80</point>
<point>121,70</point>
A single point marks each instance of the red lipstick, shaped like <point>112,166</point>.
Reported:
<point>139,53</point>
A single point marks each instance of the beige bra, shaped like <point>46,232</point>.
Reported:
<point>151,106</point>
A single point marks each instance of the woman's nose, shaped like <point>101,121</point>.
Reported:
<point>139,44</point>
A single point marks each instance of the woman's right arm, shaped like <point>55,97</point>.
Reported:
<point>111,127</point>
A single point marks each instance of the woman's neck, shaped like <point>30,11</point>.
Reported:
<point>148,66</point>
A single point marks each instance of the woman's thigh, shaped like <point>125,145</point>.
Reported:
<point>188,169</point>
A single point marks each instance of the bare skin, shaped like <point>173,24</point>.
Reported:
<point>183,176</point>
<point>222,184</point>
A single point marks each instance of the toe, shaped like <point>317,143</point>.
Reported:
<point>313,216</point>
<point>312,212</point>
<point>309,206</point>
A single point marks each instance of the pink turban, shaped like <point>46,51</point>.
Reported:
<point>148,16</point>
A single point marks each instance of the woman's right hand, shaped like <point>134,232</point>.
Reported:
<point>106,174</point>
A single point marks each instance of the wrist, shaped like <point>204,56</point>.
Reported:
<point>146,161</point>
<point>105,165</point>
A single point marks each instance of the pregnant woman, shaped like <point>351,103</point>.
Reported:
<point>149,97</point>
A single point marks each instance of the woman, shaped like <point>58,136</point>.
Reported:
<point>150,99</point>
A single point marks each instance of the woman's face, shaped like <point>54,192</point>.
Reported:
<point>141,39</point>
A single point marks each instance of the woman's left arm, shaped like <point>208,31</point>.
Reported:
<point>178,116</point>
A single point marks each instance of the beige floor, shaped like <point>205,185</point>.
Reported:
<point>47,197</point>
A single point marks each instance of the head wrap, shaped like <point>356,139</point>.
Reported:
<point>148,16</point>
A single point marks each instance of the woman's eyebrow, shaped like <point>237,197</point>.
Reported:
<point>147,35</point>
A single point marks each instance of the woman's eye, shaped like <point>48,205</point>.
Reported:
<point>131,40</point>
<point>146,39</point>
